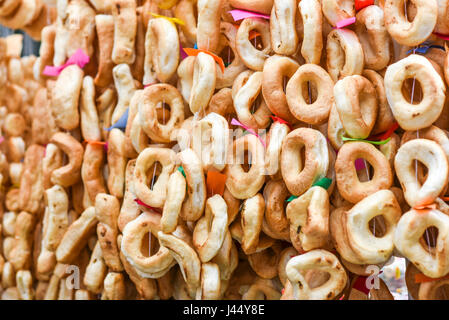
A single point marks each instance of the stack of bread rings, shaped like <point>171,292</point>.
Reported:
<point>224,149</point>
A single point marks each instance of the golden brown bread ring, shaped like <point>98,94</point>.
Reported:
<point>385,118</point>
<point>366,244</point>
<point>312,113</point>
<point>149,103</point>
<point>275,69</point>
<point>265,263</point>
<point>208,24</point>
<point>92,171</point>
<point>348,183</point>
<point>299,176</point>
<point>431,133</point>
<point>196,193</point>
<point>275,194</point>
<point>148,157</point>
<point>262,6</point>
<point>70,173</point>
<point>241,184</point>
<point>155,265</point>
<point>104,25</point>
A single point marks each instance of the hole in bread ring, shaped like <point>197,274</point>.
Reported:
<point>298,175</point>
<point>410,33</point>
<point>351,189</point>
<point>313,260</point>
<point>357,105</point>
<point>433,157</point>
<point>344,54</point>
<point>315,110</point>
<point>241,184</point>
<point>155,197</point>
<point>422,115</point>
<point>409,231</point>
<point>253,58</point>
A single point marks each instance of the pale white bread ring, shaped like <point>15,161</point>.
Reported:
<point>309,214</point>
<point>321,260</point>
<point>421,115</point>
<point>369,248</point>
<point>212,152</point>
<point>156,196</point>
<point>203,85</point>
<point>345,55</point>
<point>415,32</point>
<point>337,10</point>
<point>284,39</point>
<point>309,11</point>
<point>410,230</point>
<point>357,105</point>
<point>433,157</point>
<point>163,48</point>
<point>210,230</point>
